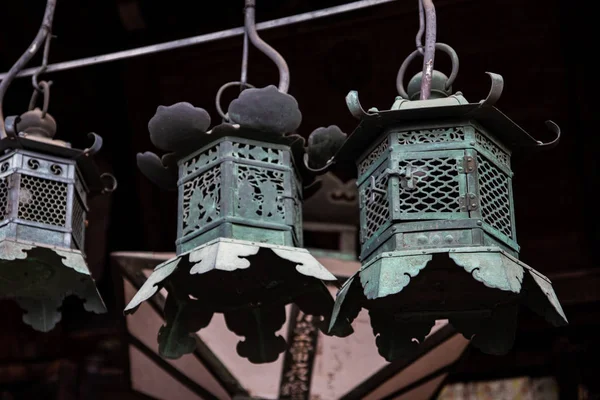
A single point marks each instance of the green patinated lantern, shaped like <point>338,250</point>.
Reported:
<point>437,234</point>
<point>44,187</point>
<point>239,242</point>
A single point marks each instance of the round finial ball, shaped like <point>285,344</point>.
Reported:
<point>438,83</point>
<point>34,123</point>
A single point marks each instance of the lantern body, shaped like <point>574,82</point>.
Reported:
<point>42,200</point>
<point>239,189</point>
<point>238,248</point>
<point>437,223</point>
<point>44,185</point>
<point>436,186</point>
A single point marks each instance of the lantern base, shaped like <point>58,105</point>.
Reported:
<point>249,282</point>
<point>404,298</point>
<point>38,278</point>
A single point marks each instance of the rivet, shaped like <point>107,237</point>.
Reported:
<point>479,222</point>
<point>472,196</point>
<point>435,239</point>
<point>472,143</point>
<point>473,204</point>
<point>448,238</point>
<point>422,239</point>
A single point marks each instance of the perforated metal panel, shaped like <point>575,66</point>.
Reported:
<point>246,151</point>
<point>436,186</point>
<point>373,156</point>
<point>201,200</point>
<point>431,135</point>
<point>494,196</point>
<point>376,209</point>
<point>261,193</point>
<point>3,198</point>
<point>492,148</point>
<point>201,160</point>
<point>43,200</point>
<point>78,222</point>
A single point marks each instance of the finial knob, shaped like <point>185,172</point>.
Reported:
<point>35,123</point>
<point>438,86</point>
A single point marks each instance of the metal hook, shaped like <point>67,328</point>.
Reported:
<point>44,87</point>
<point>261,45</point>
<point>419,37</point>
<point>25,58</point>
<point>429,52</point>
<point>42,68</point>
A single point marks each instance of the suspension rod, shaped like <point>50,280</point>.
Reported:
<point>209,37</point>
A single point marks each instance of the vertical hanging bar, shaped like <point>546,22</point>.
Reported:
<point>244,74</point>
<point>429,51</point>
<point>284,72</point>
<point>43,32</point>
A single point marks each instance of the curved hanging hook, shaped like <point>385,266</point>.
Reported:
<point>438,46</point>
<point>250,24</point>
<point>42,68</point>
<point>43,32</point>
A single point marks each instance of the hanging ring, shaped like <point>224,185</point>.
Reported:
<point>438,46</point>
<point>242,85</point>
<point>44,88</point>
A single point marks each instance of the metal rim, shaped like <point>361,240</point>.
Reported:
<point>438,46</point>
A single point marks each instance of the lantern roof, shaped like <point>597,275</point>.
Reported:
<point>83,158</point>
<point>374,122</point>
<point>263,114</point>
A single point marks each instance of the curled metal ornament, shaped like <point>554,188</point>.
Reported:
<point>96,145</point>
<point>554,128</point>
<point>353,104</point>
<point>438,46</point>
<point>112,182</point>
<point>495,90</point>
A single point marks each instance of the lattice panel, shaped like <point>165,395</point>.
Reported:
<point>258,153</point>
<point>492,148</point>
<point>43,200</point>
<point>494,196</point>
<point>3,198</point>
<point>78,222</point>
<point>261,193</point>
<point>431,135</point>
<point>201,200</point>
<point>437,186</point>
<point>376,205</point>
<point>373,156</point>
<point>206,157</point>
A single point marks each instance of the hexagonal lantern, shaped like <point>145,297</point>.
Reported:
<point>437,227</point>
<point>44,185</point>
<point>239,224</point>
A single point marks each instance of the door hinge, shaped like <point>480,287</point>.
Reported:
<point>469,202</point>
<point>468,165</point>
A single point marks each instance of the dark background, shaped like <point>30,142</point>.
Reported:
<point>542,49</point>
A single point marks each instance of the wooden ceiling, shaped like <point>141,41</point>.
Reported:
<point>540,47</point>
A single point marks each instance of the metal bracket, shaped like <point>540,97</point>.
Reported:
<point>469,202</point>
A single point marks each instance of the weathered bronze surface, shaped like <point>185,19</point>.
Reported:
<point>240,224</point>
<point>438,238</point>
<point>44,186</point>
